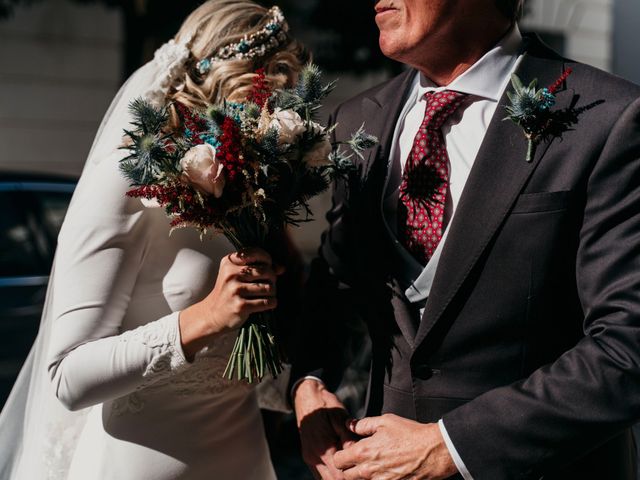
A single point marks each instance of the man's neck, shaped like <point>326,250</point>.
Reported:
<point>447,59</point>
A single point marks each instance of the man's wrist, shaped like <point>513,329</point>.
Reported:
<point>309,380</point>
<point>455,456</point>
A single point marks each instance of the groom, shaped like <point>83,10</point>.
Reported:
<point>501,292</point>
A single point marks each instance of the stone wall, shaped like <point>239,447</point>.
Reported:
<point>60,65</point>
<point>587,26</point>
<point>626,49</point>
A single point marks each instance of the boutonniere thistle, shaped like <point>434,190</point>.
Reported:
<point>531,109</point>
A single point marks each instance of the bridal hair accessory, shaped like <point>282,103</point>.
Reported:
<point>255,45</point>
<point>171,58</point>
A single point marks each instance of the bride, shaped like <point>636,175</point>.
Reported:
<point>125,378</point>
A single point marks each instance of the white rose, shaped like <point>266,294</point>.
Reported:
<point>289,125</point>
<point>319,154</point>
<point>203,170</point>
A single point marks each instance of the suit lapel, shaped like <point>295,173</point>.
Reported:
<point>380,113</point>
<point>497,177</point>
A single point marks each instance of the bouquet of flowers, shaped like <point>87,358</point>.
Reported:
<point>246,170</point>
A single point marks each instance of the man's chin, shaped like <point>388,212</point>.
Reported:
<point>390,47</point>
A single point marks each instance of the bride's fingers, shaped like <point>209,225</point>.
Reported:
<point>257,273</point>
<point>257,290</point>
<point>260,305</point>
<point>250,256</point>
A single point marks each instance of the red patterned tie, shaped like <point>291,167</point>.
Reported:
<point>425,180</point>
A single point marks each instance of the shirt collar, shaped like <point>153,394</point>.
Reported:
<point>486,77</point>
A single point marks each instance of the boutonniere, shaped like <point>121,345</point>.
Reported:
<point>531,109</point>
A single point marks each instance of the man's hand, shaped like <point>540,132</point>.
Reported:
<point>395,448</point>
<point>322,423</point>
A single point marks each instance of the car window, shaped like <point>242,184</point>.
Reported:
<point>53,207</point>
<point>21,244</point>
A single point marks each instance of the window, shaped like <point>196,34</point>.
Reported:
<point>21,245</point>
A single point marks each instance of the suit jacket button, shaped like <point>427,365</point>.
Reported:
<point>422,371</point>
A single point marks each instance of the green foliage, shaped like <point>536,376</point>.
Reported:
<point>215,113</point>
<point>341,163</point>
<point>305,184</point>
<point>146,117</point>
<point>360,141</point>
<point>269,144</point>
<point>306,97</point>
<point>252,110</point>
<point>148,159</point>
<point>288,99</point>
<point>310,88</point>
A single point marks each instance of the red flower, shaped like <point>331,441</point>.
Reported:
<point>180,202</point>
<point>229,151</point>
<point>193,122</point>
<point>556,85</point>
<point>261,91</point>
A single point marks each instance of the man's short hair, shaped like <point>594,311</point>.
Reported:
<point>512,9</point>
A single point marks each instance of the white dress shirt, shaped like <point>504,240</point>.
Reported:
<point>463,132</point>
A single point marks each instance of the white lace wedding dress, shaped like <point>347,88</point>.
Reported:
<point>109,347</point>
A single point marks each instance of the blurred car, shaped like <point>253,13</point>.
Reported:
<point>33,208</point>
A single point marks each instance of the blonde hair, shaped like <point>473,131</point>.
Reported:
<point>218,23</point>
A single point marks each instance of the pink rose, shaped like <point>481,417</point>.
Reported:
<point>203,170</point>
<point>289,125</point>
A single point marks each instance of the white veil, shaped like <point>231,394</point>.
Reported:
<point>37,434</point>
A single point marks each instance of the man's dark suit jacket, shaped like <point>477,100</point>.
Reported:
<point>529,347</point>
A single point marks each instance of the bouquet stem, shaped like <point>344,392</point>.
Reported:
<point>255,351</point>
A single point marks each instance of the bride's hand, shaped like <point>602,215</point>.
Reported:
<point>246,284</point>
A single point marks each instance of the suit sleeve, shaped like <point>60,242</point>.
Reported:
<point>592,392</point>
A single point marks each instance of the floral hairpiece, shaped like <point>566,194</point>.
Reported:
<point>255,45</point>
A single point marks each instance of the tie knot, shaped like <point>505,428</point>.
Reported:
<point>440,106</point>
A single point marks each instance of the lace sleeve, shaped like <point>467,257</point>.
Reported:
<point>114,366</point>
<point>161,339</point>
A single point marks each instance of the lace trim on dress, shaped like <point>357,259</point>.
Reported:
<point>162,338</point>
<point>204,376</point>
